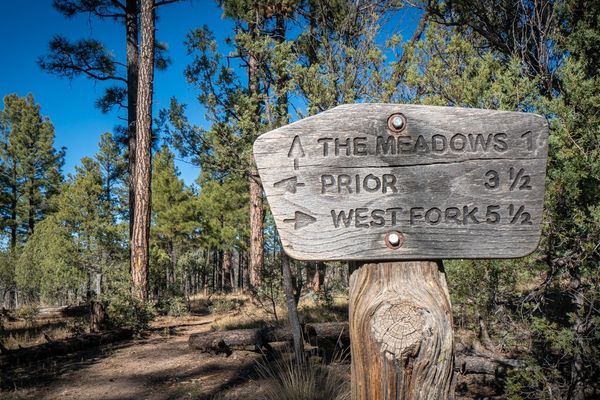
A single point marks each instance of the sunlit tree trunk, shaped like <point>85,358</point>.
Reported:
<point>257,214</point>
<point>142,171</point>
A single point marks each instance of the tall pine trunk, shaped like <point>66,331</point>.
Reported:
<point>257,214</point>
<point>142,171</point>
<point>31,211</point>
<point>13,208</point>
<point>131,34</point>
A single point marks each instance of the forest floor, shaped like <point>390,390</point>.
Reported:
<point>158,365</point>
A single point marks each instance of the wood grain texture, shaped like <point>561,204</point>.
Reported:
<point>458,183</point>
<point>400,332</point>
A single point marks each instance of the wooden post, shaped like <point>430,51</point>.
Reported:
<point>401,331</point>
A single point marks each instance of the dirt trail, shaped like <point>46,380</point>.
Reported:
<point>160,366</point>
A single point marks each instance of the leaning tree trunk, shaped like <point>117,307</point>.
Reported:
<point>400,332</point>
<point>143,168</point>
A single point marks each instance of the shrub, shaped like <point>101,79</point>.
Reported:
<point>175,306</point>
<point>126,310</point>
<point>223,305</point>
<point>28,312</point>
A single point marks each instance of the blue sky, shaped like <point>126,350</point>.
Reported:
<point>26,28</point>
<point>24,34</point>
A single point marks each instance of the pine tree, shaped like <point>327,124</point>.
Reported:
<point>47,269</point>
<point>113,168</point>
<point>30,164</point>
<point>173,213</point>
<point>90,58</point>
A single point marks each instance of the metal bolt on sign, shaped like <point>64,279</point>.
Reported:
<point>397,123</point>
<point>394,239</point>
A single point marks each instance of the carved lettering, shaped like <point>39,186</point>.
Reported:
<point>492,216</point>
<point>341,216</point>
<point>458,142</point>
<point>387,146</point>
<point>361,217</point>
<point>493,179</point>
<point>371,187</point>
<point>452,214</point>
<point>343,183</point>
<point>433,216</point>
<point>342,145</point>
<point>416,213</point>
<point>360,146</point>
<point>470,215</point>
<point>528,136</point>
<point>500,142</point>
<point>439,143</point>
<point>364,218</point>
<point>378,218</point>
<point>325,142</point>
<point>327,181</point>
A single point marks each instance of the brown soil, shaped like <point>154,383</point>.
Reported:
<point>158,366</point>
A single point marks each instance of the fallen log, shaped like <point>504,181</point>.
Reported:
<point>476,359</point>
<point>259,339</point>
<point>13,358</point>
<point>63,312</point>
<point>483,365</point>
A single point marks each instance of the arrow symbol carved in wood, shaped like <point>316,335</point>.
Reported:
<point>296,150</point>
<point>301,220</point>
<point>290,184</point>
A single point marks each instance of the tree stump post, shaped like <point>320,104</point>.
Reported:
<point>401,332</point>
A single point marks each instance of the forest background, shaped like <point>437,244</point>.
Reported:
<point>65,239</point>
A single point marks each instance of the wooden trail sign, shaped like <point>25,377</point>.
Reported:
<point>393,181</point>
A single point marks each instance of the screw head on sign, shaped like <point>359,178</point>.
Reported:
<point>394,239</point>
<point>397,123</point>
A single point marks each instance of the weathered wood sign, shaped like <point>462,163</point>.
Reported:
<point>392,181</point>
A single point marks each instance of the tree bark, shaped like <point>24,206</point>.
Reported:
<point>142,176</point>
<point>318,277</point>
<point>257,214</point>
<point>227,279</point>
<point>400,331</point>
<point>132,49</point>
<point>295,327</point>
<point>14,198</point>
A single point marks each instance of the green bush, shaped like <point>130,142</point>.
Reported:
<point>28,312</point>
<point>223,305</point>
<point>124,310</point>
<point>175,306</point>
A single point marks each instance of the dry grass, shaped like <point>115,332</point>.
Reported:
<point>243,313</point>
<point>31,333</point>
<point>311,380</point>
<point>311,310</point>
